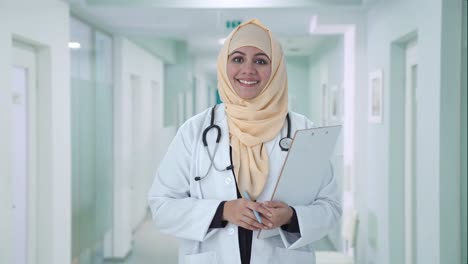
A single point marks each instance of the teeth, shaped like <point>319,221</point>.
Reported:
<point>247,82</point>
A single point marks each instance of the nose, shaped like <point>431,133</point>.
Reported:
<point>248,68</point>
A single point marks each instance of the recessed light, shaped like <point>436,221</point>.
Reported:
<point>74,45</point>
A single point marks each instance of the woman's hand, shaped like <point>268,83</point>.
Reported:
<point>240,212</point>
<point>280,211</point>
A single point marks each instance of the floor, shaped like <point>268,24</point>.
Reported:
<point>150,247</point>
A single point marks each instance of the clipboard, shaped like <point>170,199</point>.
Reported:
<point>307,162</point>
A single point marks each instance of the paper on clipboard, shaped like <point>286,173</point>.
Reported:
<point>306,163</point>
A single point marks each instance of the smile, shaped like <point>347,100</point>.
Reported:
<point>248,82</point>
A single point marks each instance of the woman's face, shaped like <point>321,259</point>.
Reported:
<point>249,70</point>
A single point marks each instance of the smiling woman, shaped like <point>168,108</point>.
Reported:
<point>194,200</point>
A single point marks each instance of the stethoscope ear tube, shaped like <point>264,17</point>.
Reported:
<point>218,137</point>
<point>284,143</point>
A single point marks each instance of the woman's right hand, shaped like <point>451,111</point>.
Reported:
<point>240,212</point>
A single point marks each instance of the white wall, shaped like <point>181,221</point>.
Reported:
<point>326,66</point>
<point>390,21</point>
<point>463,134</point>
<point>135,160</point>
<point>298,84</point>
<point>204,83</point>
<point>46,27</point>
<point>179,80</point>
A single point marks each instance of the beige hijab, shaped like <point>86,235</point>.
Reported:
<point>256,121</point>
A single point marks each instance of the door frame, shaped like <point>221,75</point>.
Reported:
<point>410,152</point>
<point>25,56</point>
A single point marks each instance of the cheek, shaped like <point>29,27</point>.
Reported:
<point>231,71</point>
<point>265,74</point>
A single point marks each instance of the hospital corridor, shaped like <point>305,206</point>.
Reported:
<point>92,93</point>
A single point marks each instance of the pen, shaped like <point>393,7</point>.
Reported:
<point>247,196</point>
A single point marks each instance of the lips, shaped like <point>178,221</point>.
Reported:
<point>247,82</point>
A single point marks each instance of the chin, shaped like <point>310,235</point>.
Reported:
<point>248,96</point>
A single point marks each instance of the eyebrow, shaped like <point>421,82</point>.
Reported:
<point>256,54</point>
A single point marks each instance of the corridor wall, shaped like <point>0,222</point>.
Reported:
<point>206,83</point>
<point>437,233</point>
<point>92,139</point>
<point>464,134</point>
<point>179,81</point>
<point>44,26</point>
<point>138,114</point>
<point>326,71</point>
<point>298,84</point>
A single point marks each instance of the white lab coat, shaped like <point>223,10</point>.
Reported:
<point>185,208</point>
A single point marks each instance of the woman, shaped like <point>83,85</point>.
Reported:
<point>200,191</point>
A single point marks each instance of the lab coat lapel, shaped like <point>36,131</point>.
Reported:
<point>223,157</point>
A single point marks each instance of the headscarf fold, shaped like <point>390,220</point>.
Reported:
<point>256,121</point>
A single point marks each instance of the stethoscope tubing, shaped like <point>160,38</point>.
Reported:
<point>284,144</point>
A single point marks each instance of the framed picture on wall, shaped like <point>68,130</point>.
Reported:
<point>375,99</point>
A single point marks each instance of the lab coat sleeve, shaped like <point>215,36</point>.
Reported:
<point>317,219</point>
<point>173,208</point>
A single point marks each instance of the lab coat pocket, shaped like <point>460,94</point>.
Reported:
<point>284,255</point>
<point>201,258</point>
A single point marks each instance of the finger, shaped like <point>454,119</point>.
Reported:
<point>253,221</point>
<point>247,226</point>
<point>276,204</point>
<point>249,218</point>
<point>267,223</point>
<point>251,224</point>
<point>260,209</point>
<point>269,204</point>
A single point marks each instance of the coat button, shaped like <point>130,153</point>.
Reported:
<point>227,180</point>
<point>231,231</point>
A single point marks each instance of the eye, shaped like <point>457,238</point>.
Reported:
<point>238,59</point>
<point>261,61</point>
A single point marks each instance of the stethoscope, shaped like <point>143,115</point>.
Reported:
<point>284,143</point>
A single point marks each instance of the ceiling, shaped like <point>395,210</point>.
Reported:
<point>201,24</point>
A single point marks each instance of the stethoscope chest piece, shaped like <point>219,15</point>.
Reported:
<point>285,143</point>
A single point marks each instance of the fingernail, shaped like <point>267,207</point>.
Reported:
<point>270,224</point>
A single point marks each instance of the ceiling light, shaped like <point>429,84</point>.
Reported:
<point>74,45</point>
<point>313,24</point>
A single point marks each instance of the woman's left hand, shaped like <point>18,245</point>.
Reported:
<point>281,213</point>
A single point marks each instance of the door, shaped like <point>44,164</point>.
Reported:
<point>180,108</point>
<point>410,151</point>
<point>23,138</point>
<point>136,157</point>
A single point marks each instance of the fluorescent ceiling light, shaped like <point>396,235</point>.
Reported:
<point>313,24</point>
<point>74,45</point>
